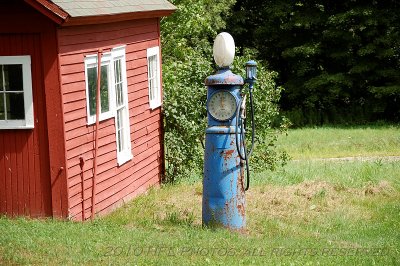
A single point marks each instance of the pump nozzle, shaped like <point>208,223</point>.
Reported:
<point>243,108</point>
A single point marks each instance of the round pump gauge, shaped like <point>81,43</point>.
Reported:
<point>222,105</point>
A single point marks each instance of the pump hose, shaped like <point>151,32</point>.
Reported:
<point>246,154</point>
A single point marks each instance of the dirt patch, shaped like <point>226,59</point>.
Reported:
<point>186,204</point>
<point>302,201</point>
<point>314,189</point>
<point>382,188</point>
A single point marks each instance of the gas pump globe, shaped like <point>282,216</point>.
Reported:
<point>226,156</point>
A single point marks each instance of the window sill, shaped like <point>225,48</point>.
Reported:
<point>104,116</point>
<point>15,126</point>
<point>155,105</point>
<point>122,158</point>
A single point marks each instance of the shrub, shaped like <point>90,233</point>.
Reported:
<point>187,60</point>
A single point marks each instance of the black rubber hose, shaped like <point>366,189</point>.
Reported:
<point>246,158</point>
<point>253,127</point>
<point>243,157</point>
<point>246,155</point>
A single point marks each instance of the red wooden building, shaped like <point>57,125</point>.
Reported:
<point>56,158</point>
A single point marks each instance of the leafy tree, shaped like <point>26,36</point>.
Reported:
<point>336,59</point>
<point>187,39</point>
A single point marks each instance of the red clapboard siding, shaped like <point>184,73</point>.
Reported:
<point>105,36</point>
<point>73,163</point>
<point>3,196</point>
<point>85,47</point>
<point>137,71</point>
<point>128,175</point>
<point>141,187</point>
<point>134,52</point>
<point>100,29</point>
<point>104,190</point>
<point>76,98</point>
<point>146,114</point>
<point>73,87</point>
<point>121,191</point>
<point>137,87</point>
<point>104,187</point>
<point>114,183</point>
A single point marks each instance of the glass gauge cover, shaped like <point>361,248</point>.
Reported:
<point>222,105</point>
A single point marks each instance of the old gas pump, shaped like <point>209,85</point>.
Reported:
<point>226,155</point>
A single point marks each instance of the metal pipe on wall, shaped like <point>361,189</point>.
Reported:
<point>96,141</point>
<point>81,165</point>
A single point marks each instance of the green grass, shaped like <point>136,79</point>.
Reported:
<point>309,212</point>
<point>330,142</point>
<point>345,173</point>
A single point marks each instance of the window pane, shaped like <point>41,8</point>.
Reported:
<point>119,141</point>
<point>2,112</point>
<point>92,84</point>
<point>152,66</point>
<point>13,77</point>
<point>118,83</point>
<point>117,70</point>
<point>120,130</point>
<point>118,94</point>
<point>1,77</point>
<point>153,78</point>
<point>15,106</point>
<point>151,84</point>
<point>105,106</point>
<point>149,67</point>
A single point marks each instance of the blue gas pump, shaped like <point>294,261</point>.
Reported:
<point>226,155</point>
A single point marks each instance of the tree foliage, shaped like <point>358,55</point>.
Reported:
<point>187,39</point>
<point>336,59</point>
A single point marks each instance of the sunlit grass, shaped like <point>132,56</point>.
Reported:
<point>330,142</point>
<point>344,173</point>
<point>309,212</point>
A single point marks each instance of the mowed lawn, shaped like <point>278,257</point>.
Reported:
<point>331,142</point>
<point>309,212</point>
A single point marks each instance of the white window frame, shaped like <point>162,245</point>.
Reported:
<point>125,154</point>
<point>91,61</point>
<point>156,89</point>
<point>117,53</point>
<point>28,122</point>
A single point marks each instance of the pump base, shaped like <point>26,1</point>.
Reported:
<point>223,186</point>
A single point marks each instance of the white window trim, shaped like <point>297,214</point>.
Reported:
<point>117,53</point>
<point>124,155</point>
<point>155,103</point>
<point>28,122</point>
<point>91,61</point>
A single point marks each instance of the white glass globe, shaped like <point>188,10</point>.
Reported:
<point>224,49</point>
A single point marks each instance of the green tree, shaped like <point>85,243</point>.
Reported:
<point>187,60</point>
<point>187,39</point>
<point>337,59</point>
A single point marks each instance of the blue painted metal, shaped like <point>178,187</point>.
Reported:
<point>224,76</point>
<point>223,186</point>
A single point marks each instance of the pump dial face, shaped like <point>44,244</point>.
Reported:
<point>222,105</point>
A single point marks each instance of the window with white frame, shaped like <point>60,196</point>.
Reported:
<point>122,126</point>
<point>113,97</point>
<point>105,87</point>
<point>16,103</point>
<point>153,72</point>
